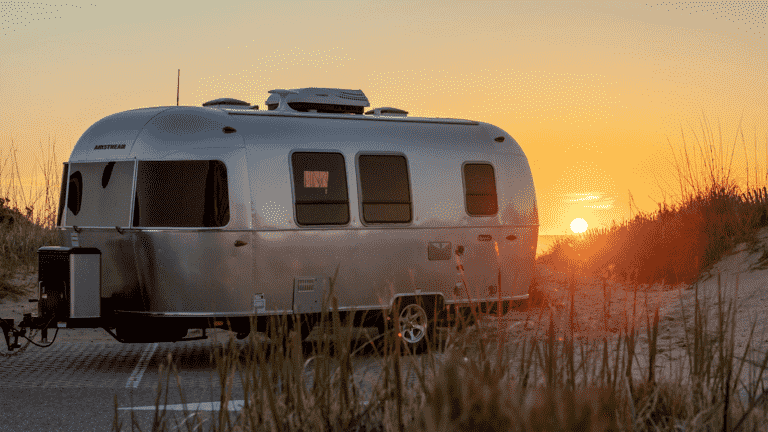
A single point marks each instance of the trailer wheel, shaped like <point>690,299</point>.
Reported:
<point>413,324</point>
<point>417,329</point>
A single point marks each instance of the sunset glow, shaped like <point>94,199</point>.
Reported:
<point>595,93</point>
<point>579,225</point>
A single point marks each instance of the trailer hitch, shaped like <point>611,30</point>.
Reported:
<point>12,334</point>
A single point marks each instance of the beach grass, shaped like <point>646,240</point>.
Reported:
<point>27,212</point>
<point>710,214</point>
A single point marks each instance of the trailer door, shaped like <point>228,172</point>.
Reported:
<point>478,262</point>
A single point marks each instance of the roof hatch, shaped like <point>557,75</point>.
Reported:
<point>321,100</point>
<point>229,103</point>
<point>387,111</point>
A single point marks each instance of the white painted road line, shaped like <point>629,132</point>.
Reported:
<point>234,405</point>
<point>141,366</point>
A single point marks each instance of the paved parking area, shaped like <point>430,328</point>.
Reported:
<point>78,385</point>
<point>74,385</point>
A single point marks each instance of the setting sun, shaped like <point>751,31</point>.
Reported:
<point>579,225</point>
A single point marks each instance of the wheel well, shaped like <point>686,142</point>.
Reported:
<point>432,303</point>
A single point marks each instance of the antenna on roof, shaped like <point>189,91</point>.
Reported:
<point>178,80</point>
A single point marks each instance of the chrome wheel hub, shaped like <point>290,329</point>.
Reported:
<point>413,323</point>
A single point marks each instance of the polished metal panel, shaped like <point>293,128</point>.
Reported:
<point>112,137</point>
<point>372,265</point>
<point>478,264</point>
<point>194,271</point>
<point>183,128</point>
<point>516,192</point>
<point>517,259</point>
<point>85,278</point>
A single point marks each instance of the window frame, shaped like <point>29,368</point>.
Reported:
<point>291,175</point>
<point>464,186</point>
<point>64,223</point>
<point>412,214</point>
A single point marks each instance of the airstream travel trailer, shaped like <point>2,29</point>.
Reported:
<point>175,218</point>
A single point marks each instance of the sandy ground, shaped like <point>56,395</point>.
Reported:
<point>740,279</point>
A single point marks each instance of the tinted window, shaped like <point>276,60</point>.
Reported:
<point>181,194</point>
<point>91,202</point>
<point>480,189</point>
<point>107,174</point>
<point>385,191</point>
<point>320,188</point>
<point>75,192</point>
<point>62,195</point>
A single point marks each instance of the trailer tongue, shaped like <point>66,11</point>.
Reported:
<point>68,293</point>
<point>68,297</point>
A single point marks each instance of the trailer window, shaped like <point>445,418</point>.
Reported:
<point>181,194</point>
<point>385,189</point>
<point>75,192</point>
<point>480,189</point>
<point>320,188</point>
<point>62,195</point>
<point>91,202</point>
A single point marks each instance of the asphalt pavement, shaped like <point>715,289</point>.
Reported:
<point>84,386</point>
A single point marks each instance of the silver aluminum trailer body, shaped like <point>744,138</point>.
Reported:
<point>260,259</point>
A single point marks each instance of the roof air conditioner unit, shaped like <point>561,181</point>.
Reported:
<point>322,100</point>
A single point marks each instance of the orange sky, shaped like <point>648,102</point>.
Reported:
<point>591,90</point>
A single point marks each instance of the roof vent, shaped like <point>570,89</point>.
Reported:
<point>229,103</point>
<point>388,111</point>
<point>321,100</point>
<point>283,102</point>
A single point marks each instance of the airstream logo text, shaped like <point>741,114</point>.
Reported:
<point>109,147</point>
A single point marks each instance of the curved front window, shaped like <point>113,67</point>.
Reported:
<point>187,194</point>
<point>92,201</point>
